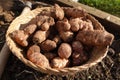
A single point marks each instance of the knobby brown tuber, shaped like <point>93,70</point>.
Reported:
<point>57,39</point>
<point>50,55</point>
<point>77,46</point>
<point>30,29</point>
<point>44,22</point>
<point>32,49</point>
<point>67,36</point>
<point>20,37</point>
<point>75,24</point>
<point>74,12</point>
<point>78,24</point>
<point>45,26</point>
<point>95,38</point>
<point>40,36</point>
<point>58,62</point>
<point>78,55</point>
<point>41,20</point>
<point>57,12</point>
<point>79,58</point>
<point>33,22</point>
<point>63,25</point>
<point>48,45</point>
<point>63,28</point>
<point>36,57</point>
<point>86,25</point>
<point>65,50</point>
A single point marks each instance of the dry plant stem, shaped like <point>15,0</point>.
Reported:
<point>4,54</point>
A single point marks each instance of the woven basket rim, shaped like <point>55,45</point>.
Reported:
<point>25,18</point>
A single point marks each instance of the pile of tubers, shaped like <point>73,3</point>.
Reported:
<point>60,37</point>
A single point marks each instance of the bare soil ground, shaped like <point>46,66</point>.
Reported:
<point>107,69</point>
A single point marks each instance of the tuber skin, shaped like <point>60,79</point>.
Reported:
<point>57,39</point>
<point>31,23</point>
<point>63,25</point>
<point>20,37</point>
<point>57,12</point>
<point>32,49</point>
<point>79,58</point>
<point>77,46</point>
<point>51,21</point>
<point>86,25</point>
<point>45,26</point>
<point>95,38</point>
<point>44,22</point>
<point>78,24</point>
<point>58,62</point>
<point>34,55</point>
<point>67,36</point>
<point>65,50</point>
<point>39,59</point>
<point>48,22</point>
<point>40,36</point>
<point>74,12</point>
<point>50,55</point>
<point>48,45</point>
<point>75,24</point>
<point>40,20</point>
<point>30,29</point>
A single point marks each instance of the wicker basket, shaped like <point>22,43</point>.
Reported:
<point>96,56</point>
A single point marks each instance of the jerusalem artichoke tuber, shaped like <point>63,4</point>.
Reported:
<point>20,37</point>
<point>75,24</point>
<point>48,45</point>
<point>79,58</point>
<point>78,24</point>
<point>67,36</point>
<point>36,57</point>
<point>40,36</point>
<point>32,49</point>
<point>63,25</point>
<point>50,55</point>
<point>57,39</point>
<point>77,46</point>
<point>57,12</point>
<point>95,37</point>
<point>44,22</point>
<point>65,50</point>
<point>30,29</point>
<point>58,62</point>
<point>39,59</point>
<point>74,12</point>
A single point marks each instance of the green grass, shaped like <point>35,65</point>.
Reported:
<point>110,6</point>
